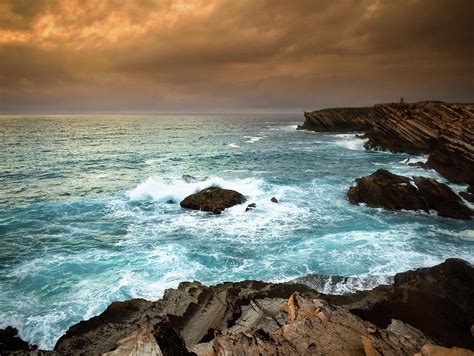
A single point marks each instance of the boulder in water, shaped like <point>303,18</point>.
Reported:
<point>213,199</point>
<point>383,189</point>
<point>274,200</point>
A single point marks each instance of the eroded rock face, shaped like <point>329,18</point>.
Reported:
<point>213,199</point>
<point>338,120</point>
<point>314,327</point>
<point>445,131</point>
<point>383,189</point>
<point>438,300</point>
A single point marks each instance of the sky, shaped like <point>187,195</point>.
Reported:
<point>131,56</point>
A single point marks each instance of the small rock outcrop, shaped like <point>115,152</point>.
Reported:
<point>383,189</point>
<point>274,200</point>
<point>213,199</point>
<point>251,206</point>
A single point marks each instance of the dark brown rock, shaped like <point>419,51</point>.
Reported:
<point>10,341</point>
<point>274,200</point>
<point>383,189</point>
<point>251,207</point>
<point>438,300</point>
<point>213,199</point>
<point>338,120</point>
<point>438,196</point>
<point>467,196</point>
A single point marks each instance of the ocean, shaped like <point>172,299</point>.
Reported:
<point>90,214</point>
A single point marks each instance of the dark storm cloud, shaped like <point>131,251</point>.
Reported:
<point>230,55</point>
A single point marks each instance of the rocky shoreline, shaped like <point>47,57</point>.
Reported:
<point>427,311</point>
<point>443,131</point>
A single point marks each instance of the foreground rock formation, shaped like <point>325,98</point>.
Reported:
<point>383,189</point>
<point>213,199</point>
<point>444,131</point>
<point>424,311</point>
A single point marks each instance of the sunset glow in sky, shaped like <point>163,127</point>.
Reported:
<point>75,56</point>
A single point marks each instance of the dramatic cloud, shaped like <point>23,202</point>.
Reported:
<point>185,55</point>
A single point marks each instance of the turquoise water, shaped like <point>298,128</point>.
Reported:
<point>89,211</point>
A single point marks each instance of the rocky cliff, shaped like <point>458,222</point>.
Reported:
<point>444,131</point>
<point>426,311</point>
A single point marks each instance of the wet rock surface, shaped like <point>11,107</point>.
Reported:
<point>213,199</point>
<point>383,189</point>
<point>445,131</point>
<point>429,306</point>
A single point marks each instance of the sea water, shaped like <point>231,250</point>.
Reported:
<point>90,214</point>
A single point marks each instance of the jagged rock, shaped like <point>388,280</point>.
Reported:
<point>445,131</point>
<point>213,199</point>
<point>274,200</point>
<point>161,340</point>
<point>251,207</point>
<point>438,300</point>
<point>101,333</point>
<point>313,326</point>
<point>383,189</point>
<point>141,342</point>
<point>10,341</point>
<point>338,120</point>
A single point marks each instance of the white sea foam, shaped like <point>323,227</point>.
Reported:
<point>349,141</point>
<point>233,145</point>
<point>253,139</point>
<point>174,190</point>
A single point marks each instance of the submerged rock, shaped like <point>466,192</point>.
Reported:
<point>213,199</point>
<point>251,207</point>
<point>191,179</point>
<point>383,189</point>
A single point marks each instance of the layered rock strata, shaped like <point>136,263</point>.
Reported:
<point>444,131</point>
